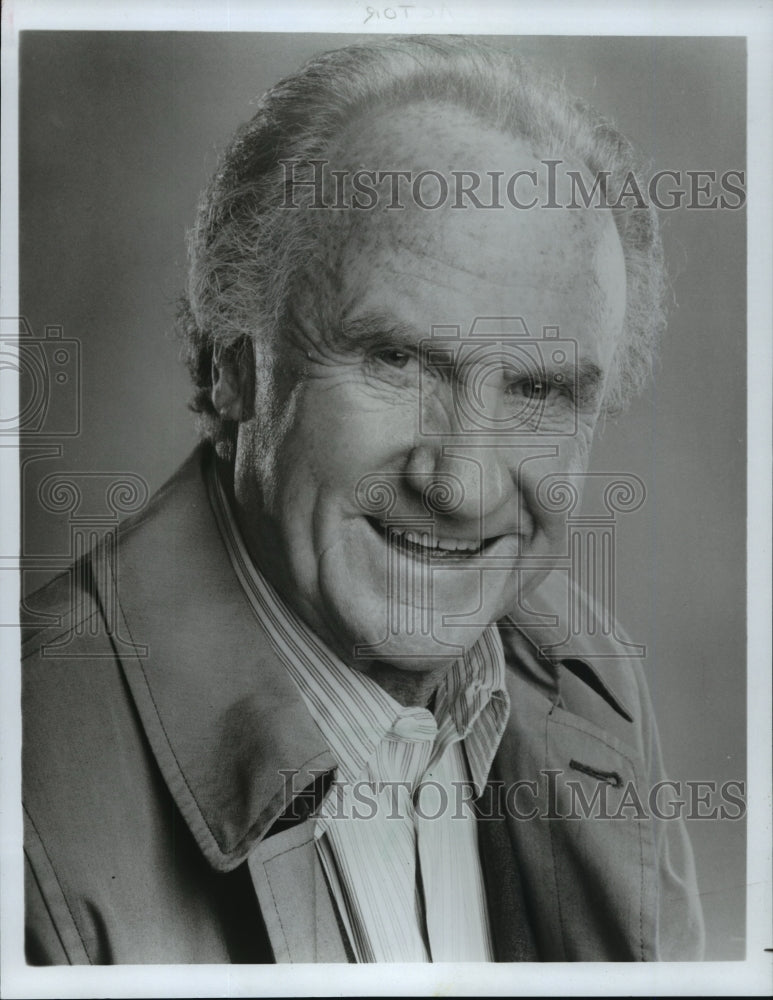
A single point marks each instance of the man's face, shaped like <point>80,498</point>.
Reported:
<point>402,513</point>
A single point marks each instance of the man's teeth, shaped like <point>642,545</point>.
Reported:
<point>424,539</point>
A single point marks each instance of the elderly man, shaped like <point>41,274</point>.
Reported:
<point>335,726</point>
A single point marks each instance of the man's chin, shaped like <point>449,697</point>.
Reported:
<point>416,653</point>
<point>366,625</point>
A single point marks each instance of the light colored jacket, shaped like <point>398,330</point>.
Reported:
<point>163,739</point>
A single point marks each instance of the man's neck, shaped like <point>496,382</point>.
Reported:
<point>407,687</point>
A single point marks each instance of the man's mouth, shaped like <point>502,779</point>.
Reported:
<point>426,545</point>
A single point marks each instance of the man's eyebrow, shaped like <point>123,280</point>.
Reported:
<point>584,379</point>
<point>375,329</point>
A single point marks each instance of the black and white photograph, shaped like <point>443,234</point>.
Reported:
<point>386,501</point>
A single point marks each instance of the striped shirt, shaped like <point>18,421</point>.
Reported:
<point>396,833</point>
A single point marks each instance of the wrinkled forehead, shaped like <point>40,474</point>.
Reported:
<point>412,267</point>
<point>422,151</point>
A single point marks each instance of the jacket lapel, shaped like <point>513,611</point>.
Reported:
<point>297,907</point>
<point>227,724</point>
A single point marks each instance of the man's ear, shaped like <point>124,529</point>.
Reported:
<point>231,380</point>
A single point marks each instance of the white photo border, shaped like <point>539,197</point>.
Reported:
<point>754,976</point>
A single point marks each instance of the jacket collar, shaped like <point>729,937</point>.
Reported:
<point>224,719</point>
<point>593,657</point>
<point>226,723</point>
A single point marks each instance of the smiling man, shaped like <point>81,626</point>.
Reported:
<point>333,728</point>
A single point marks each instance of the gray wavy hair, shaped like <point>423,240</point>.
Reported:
<point>248,255</point>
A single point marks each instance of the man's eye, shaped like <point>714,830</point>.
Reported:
<point>394,357</point>
<point>529,388</point>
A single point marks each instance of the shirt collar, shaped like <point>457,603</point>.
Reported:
<point>351,710</point>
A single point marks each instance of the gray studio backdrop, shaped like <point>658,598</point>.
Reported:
<point>120,131</point>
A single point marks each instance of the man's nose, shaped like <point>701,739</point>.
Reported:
<point>459,481</point>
